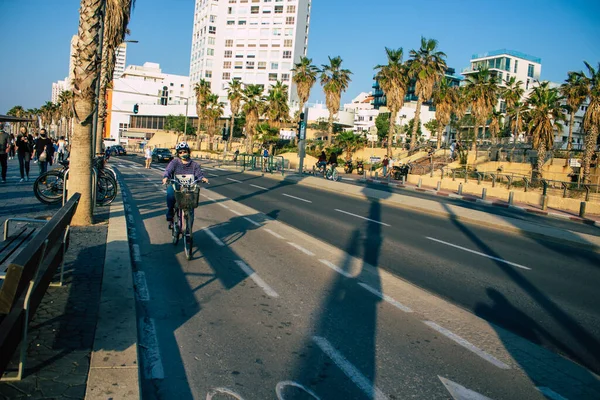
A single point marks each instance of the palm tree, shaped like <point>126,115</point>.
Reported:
<point>84,88</point>
<point>427,66</point>
<point>278,110</point>
<point>34,114</point>
<point>202,90</point>
<point>460,107</point>
<point>213,111</point>
<point>334,80</point>
<point>253,108</point>
<point>116,19</point>
<point>234,95</point>
<point>482,91</point>
<point>304,76</point>
<point>574,91</point>
<point>444,99</point>
<point>65,101</point>
<point>393,79</point>
<point>17,111</point>
<point>495,119</point>
<point>512,94</point>
<point>46,112</point>
<point>545,115</point>
<point>591,119</point>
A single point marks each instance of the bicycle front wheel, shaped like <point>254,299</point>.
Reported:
<point>48,187</point>
<point>188,237</point>
<point>106,190</point>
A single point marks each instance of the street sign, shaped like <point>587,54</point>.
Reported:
<point>302,130</point>
<point>375,160</point>
<point>574,162</point>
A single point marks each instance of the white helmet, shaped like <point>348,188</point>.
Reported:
<point>182,146</point>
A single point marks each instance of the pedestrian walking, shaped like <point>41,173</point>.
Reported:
<point>11,146</point>
<point>385,163</point>
<point>24,152</point>
<point>148,154</point>
<point>62,144</point>
<point>4,140</point>
<point>265,158</point>
<point>44,150</point>
<point>236,154</point>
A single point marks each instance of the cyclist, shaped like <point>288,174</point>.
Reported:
<point>333,160</point>
<point>322,162</point>
<point>180,166</point>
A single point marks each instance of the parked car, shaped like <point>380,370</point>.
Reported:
<point>117,150</point>
<point>161,155</point>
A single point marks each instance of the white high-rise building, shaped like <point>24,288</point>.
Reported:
<point>257,42</point>
<point>58,88</point>
<point>121,59</point>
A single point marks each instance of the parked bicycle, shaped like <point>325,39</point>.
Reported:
<point>48,187</point>
<point>187,195</point>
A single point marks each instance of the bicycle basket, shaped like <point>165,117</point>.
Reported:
<point>187,198</point>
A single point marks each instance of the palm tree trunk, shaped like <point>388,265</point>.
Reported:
<point>541,159</point>
<point>439,136</point>
<point>413,135</point>
<point>231,125</point>
<point>85,77</point>
<point>391,132</point>
<point>101,120</point>
<point>571,122</point>
<point>590,145</point>
<point>330,128</point>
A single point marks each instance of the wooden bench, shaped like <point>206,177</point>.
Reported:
<point>31,268</point>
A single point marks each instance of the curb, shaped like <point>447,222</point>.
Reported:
<point>114,367</point>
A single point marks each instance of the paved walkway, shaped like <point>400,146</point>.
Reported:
<point>61,334</point>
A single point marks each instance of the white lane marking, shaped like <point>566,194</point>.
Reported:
<point>141,287</point>
<point>281,386</point>
<point>161,168</point>
<point>387,298</point>
<point>257,279</point>
<point>259,187</point>
<point>479,253</point>
<point>213,237</point>
<point>350,370</point>
<point>348,179</point>
<point>223,205</point>
<point>153,367</point>
<point>213,175</point>
<point>234,180</point>
<point>221,169</point>
<point>551,394</point>
<point>361,217</point>
<point>302,249</point>
<point>217,391</point>
<point>459,392</point>
<point>277,235</point>
<point>467,345</point>
<point>210,169</point>
<point>236,212</point>
<point>297,198</point>
<point>252,222</point>
<point>206,197</point>
<point>336,268</point>
<point>136,253</point>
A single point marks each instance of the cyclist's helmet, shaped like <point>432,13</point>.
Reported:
<point>182,146</point>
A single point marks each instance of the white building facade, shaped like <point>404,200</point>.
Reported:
<point>120,60</point>
<point>257,42</point>
<point>59,87</point>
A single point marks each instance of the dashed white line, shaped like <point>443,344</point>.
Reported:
<point>209,169</point>
<point>141,287</point>
<point>213,175</point>
<point>206,197</point>
<point>252,222</point>
<point>223,205</point>
<point>302,249</point>
<point>350,370</point>
<point>213,237</point>
<point>361,217</point>
<point>234,180</point>
<point>348,179</point>
<point>277,235</point>
<point>257,279</point>
<point>336,268</point>
<point>221,169</point>
<point>259,187</point>
<point>387,298</point>
<point>479,253</point>
<point>297,198</point>
<point>236,212</point>
<point>467,345</point>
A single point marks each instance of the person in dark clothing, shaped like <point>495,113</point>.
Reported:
<point>44,144</point>
<point>3,152</point>
<point>333,160</point>
<point>24,151</point>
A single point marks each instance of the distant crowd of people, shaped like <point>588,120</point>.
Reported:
<point>40,148</point>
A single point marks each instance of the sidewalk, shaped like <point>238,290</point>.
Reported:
<point>61,334</point>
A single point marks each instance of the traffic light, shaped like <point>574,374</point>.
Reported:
<point>136,108</point>
<point>224,133</point>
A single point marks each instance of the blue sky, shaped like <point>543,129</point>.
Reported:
<point>34,44</point>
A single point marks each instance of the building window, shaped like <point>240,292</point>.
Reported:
<point>289,32</point>
<point>290,20</point>
<point>291,9</point>
<point>530,71</point>
<point>516,64</point>
<point>208,74</point>
<point>507,64</point>
<point>249,64</point>
<point>278,9</point>
<point>262,65</point>
<point>287,54</point>
<point>276,31</point>
<point>226,76</point>
<point>231,22</point>
<point>274,65</point>
<point>213,18</point>
<point>212,29</point>
<point>254,10</point>
<point>229,43</point>
<point>210,52</point>
<point>285,77</point>
<point>228,54</point>
<point>242,22</point>
<point>272,77</point>
<point>229,10</point>
<point>227,65</point>
<point>287,43</point>
<point>238,65</point>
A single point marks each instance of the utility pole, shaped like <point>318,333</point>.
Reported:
<point>301,142</point>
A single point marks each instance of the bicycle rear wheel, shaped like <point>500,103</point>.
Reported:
<point>106,190</point>
<point>48,187</point>
<point>188,241</point>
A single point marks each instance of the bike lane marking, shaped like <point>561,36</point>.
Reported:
<point>479,253</point>
<point>297,198</point>
<point>350,370</point>
<point>361,217</point>
<point>252,222</point>
<point>302,249</point>
<point>259,187</point>
<point>257,279</point>
<point>213,237</point>
<point>234,180</point>
<point>386,298</point>
<point>277,235</point>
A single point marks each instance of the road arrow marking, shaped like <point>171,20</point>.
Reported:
<point>459,392</point>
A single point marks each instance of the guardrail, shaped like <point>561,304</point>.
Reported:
<point>256,162</point>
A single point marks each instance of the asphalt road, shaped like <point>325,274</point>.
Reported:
<point>321,330</point>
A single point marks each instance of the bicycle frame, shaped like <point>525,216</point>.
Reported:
<point>184,183</point>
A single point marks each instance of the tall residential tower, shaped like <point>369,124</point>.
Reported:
<point>255,41</point>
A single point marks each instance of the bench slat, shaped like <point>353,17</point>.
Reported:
<point>12,244</point>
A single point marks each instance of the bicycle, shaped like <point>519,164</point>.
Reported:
<point>332,173</point>
<point>48,187</point>
<point>319,168</point>
<point>187,195</point>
